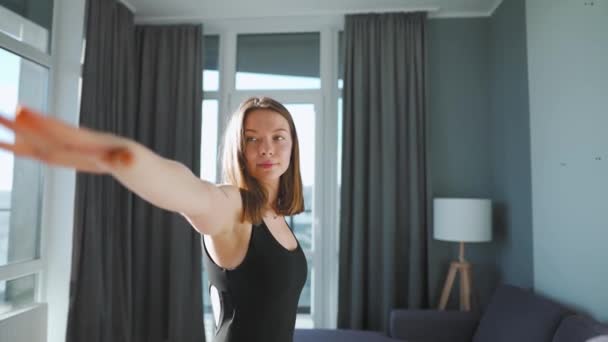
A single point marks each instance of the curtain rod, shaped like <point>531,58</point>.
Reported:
<point>392,10</point>
<point>336,13</point>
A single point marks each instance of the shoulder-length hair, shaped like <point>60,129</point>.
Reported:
<point>290,200</point>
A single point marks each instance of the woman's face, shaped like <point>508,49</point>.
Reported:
<point>268,145</point>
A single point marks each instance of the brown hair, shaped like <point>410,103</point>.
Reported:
<point>290,200</point>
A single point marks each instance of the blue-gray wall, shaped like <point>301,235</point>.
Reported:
<point>518,109</point>
<point>510,127</point>
<point>460,162</point>
<point>568,67</point>
<point>479,141</point>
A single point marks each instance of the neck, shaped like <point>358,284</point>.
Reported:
<point>272,189</point>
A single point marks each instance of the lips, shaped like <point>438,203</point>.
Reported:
<point>266,165</point>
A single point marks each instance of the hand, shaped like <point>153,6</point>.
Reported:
<point>57,143</point>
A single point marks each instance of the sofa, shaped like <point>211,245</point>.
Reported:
<point>513,315</point>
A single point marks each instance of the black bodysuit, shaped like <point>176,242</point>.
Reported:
<point>259,298</point>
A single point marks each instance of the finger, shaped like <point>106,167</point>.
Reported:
<point>23,132</point>
<point>84,162</point>
<point>59,132</point>
<point>8,147</point>
<point>68,159</point>
<point>7,123</point>
<point>27,137</point>
<point>88,162</point>
<point>58,143</point>
<point>18,149</point>
<point>56,158</point>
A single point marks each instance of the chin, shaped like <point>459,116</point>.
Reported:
<point>270,177</point>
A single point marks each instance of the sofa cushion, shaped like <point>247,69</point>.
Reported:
<point>339,335</point>
<point>515,314</point>
<point>581,329</point>
<point>433,325</point>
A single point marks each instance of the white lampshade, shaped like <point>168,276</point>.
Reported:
<point>462,219</point>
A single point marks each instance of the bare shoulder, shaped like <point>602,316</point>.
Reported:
<point>224,211</point>
<point>230,191</point>
<point>232,195</point>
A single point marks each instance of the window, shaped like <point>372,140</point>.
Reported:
<point>304,119</point>
<point>209,165</point>
<point>211,87</point>
<point>287,67</point>
<point>209,143</point>
<point>210,120</point>
<point>28,22</point>
<point>17,293</point>
<point>341,53</point>
<point>21,82</point>
<point>278,61</point>
<point>211,71</point>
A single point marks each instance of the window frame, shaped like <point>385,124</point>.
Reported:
<point>36,266</point>
<point>217,96</point>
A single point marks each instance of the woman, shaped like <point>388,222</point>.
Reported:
<point>256,266</point>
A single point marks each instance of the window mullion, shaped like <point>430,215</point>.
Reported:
<point>20,269</point>
<point>23,50</point>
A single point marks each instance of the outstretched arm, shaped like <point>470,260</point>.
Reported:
<point>167,184</point>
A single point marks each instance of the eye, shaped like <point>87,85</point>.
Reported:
<point>250,139</point>
<point>279,137</point>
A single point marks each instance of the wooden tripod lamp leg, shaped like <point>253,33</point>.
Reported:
<point>447,287</point>
<point>465,287</point>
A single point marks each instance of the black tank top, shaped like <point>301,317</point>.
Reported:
<point>259,298</point>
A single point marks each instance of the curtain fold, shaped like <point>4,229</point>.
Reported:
<point>136,269</point>
<point>384,196</point>
<point>100,308</point>
<point>169,122</point>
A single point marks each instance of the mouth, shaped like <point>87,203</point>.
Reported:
<point>266,165</point>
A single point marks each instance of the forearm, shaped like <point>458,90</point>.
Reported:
<point>162,182</point>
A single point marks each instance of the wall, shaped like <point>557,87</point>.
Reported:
<point>568,72</point>
<point>510,141</point>
<point>460,163</point>
<point>480,141</point>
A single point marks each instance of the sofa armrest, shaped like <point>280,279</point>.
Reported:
<point>433,325</point>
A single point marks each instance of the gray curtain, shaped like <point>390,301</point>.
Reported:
<point>168,252</point>
<point>136,269</point>
<point>383,219</point>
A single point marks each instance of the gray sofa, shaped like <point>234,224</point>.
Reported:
<point>513,315</point>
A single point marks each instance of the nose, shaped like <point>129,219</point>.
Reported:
<point>265,148</point>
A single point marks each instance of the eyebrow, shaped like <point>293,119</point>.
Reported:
<point>276,130</point>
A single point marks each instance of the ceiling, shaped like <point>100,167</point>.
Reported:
<point>176,10</point>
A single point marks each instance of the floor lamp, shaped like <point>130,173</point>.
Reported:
<point>461,220</point>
